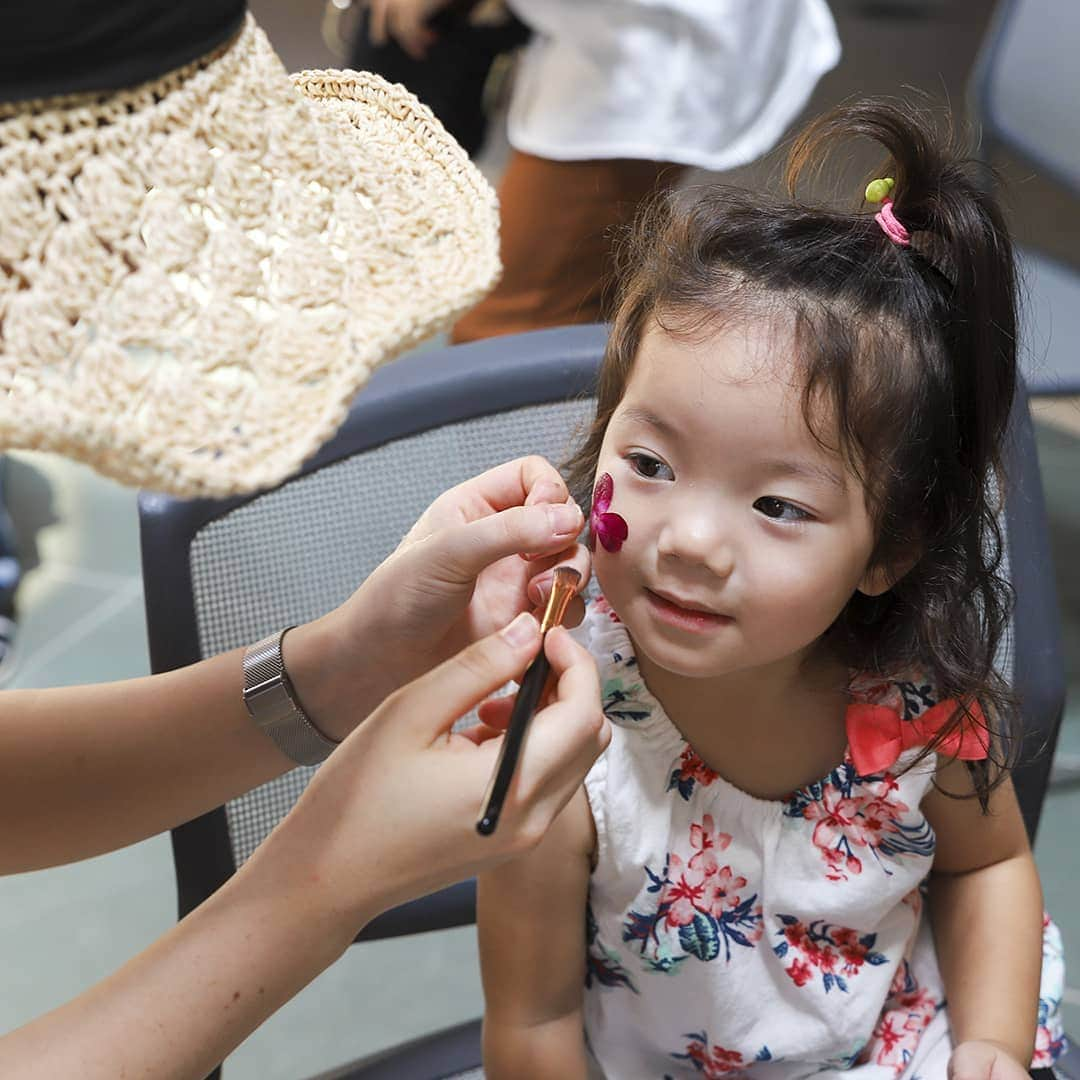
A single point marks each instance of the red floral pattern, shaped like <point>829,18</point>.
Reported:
<point>713,1062</point>
<point>837,952</point>
<point>908,1010</point>
<point>856,817</point>
<point>689,772</point>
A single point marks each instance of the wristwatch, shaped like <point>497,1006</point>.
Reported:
<point>272,703</point>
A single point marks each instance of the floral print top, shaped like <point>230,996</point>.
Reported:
<point>729,934</point>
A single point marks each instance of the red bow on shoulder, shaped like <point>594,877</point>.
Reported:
<point>877,735</point>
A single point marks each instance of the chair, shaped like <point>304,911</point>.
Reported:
<point>436,418</point>
<point>1024,91</point>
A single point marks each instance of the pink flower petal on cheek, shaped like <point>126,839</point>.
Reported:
<point>612,531</point>
<point>601,496</point>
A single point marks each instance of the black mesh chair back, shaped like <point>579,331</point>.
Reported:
<point>221,574</point>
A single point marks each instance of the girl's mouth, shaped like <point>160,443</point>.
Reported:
<point>684,617</point>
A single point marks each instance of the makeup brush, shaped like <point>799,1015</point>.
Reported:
<point>563,585</point>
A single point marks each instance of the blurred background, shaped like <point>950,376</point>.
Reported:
<point>79,619</point>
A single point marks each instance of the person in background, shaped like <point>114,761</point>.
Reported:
<point>612,102</point>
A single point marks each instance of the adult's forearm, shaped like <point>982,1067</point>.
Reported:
<point>184,1004</point>
<point>92,768</point>
<point>987,927</point>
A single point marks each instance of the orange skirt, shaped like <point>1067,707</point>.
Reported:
<point>558,221</point>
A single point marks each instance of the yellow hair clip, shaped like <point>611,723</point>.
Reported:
<point>879,190</point>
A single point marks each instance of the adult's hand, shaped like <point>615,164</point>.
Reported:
<point>406,21</point>
<point>392,814</point>
<point>456,577</point>
<point>148,753</point>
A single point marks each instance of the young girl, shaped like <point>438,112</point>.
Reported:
<point>802,839</point>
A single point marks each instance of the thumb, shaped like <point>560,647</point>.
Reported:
<point>465,551</point>
<point>433,703</point>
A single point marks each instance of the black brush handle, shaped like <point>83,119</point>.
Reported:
<point>528,698</point>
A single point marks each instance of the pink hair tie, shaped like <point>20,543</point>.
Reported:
<point>890,226</point>
<point>877,191</point>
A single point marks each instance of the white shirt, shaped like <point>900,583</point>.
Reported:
<point>711,83</point>
<point>727,931</point>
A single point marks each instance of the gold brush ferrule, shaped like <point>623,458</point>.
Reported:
<point>563,586</point>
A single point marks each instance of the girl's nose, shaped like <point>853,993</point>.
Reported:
<point>698,538</point>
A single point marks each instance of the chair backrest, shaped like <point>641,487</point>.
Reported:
<point>220,574</point>
<point>1027,82</point>
<point>1034,662</point>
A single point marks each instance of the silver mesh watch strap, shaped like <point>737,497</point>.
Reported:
<point>270,700</point>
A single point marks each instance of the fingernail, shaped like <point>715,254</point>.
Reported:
<point>565,519</point>
<point>536,590</point>
<point>545,492</point>
<point>552,492</point>
<point>521,631</point>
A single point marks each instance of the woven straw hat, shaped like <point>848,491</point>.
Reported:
<point>197,274</point>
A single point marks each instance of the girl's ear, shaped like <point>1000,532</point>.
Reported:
<point>880,579</point>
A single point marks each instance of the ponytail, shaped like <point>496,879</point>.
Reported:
<point>911,348</point>
<point>954,299</point>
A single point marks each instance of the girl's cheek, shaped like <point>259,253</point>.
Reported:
<point>612,578</point>
<point>605,571</point>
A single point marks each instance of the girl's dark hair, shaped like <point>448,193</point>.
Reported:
<point>914,349</point>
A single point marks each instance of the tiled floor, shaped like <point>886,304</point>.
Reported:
<point>81,620</point>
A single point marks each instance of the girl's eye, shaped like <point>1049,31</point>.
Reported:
<point>649,467</point>
<point>780,509</point>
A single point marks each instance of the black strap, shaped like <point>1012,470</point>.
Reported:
<point>71,46</point>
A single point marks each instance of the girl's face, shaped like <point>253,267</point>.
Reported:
<point>746,537</point>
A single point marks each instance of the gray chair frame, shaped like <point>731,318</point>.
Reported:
<point>444,386</point>
<point>1023,91</point>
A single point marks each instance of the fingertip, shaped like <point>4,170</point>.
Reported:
<point>495,712</point>
<point>547,491</point>
<point>575,612</point>
<point>559,646</point>
<point>522,632</point>
<point>565,518</point>
<point>481,733</point>
<point>539,587</point>
<point>603,736</point>
<point>536,595</point>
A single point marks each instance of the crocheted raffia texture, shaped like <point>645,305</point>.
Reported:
<point>198,274</point>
